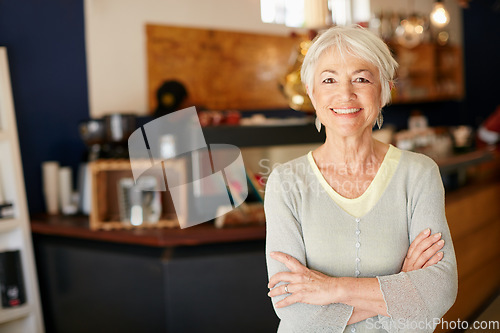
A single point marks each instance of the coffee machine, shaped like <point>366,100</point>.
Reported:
<point>107,137</point>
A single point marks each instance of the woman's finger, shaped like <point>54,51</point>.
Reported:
<point>280,277</point>
<point>290,262</point>
<point>289,300</point>
<point>281,290</point>
<point>434,260</point>
<point>429,253</point>
<point>297,293</point>
<point>306,293</point>
<point>289,277</point>
<point>421,236</point>
<point>424,245</point>
<point>421,250</point>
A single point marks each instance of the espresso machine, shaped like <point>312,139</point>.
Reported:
<point>107,137</point>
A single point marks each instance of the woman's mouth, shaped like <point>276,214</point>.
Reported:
<point>346,111</point>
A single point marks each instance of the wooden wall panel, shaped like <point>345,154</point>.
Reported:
<point>473,215</point>
<point>221,69</point>
<point>472,209</point>
<point>478,249</point>
<point>473,292</point>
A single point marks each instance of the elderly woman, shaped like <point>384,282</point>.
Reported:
<point>357,238</point>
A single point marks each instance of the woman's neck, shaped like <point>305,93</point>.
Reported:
<point>352,151</point>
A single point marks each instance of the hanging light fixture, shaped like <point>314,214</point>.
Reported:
<point>410,31</point>
<point>439,15</point>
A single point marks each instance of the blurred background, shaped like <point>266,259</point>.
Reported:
<point>86,73</point>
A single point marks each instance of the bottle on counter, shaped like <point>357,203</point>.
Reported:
<point>417,121</point>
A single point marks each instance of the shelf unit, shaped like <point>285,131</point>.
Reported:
<point>15,233</point>
<point>428,72</point>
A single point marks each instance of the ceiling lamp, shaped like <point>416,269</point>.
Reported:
<point>410,31</point>
<point>439,15</point>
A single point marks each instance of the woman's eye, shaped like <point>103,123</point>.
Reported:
<point>328,80</point>
<point>361,80</point>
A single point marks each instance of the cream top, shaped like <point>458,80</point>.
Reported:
<point>361,205</point>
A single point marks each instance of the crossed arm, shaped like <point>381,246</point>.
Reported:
<point>424,290</point>
<point>308,286</point>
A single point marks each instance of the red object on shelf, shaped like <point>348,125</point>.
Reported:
<point>492,123</point>
<point>489,131</point>
<point>216,118</point>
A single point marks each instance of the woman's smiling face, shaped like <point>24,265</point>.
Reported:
<point>346,93</point>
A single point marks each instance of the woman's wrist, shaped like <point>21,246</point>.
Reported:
<point>360,293</point>
<point>340,292</point>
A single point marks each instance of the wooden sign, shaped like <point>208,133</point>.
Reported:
<point>220,69</point>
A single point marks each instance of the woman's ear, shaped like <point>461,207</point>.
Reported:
<point>309,93</point>
<point>391,86</point>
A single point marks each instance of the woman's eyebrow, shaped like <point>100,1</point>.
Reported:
<point>362,70</point>
<point>331,71</point>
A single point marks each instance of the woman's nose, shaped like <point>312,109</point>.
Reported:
<point>346,91</point>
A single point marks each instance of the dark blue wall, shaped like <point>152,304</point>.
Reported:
<point>482,57</point>
<point>46,46</point>
<point>46,49</point>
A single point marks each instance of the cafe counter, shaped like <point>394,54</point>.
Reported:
<point>199,279</point>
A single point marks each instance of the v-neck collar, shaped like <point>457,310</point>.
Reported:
<point>377,182</point>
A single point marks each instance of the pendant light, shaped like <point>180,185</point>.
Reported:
<point>439,15</point>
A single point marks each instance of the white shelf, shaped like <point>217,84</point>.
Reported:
<point>10,314</point>
<point>15,232</point>
<point>8,224</point>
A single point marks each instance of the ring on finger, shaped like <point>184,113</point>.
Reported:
<point>286,289</point>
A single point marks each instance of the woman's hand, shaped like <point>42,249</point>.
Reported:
<point>305,285</point>
<point>423,251</point>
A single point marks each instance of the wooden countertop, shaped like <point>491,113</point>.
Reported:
<point>458,161</point>
<point>206,233</point>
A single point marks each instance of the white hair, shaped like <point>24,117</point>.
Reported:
<point>356,41</point>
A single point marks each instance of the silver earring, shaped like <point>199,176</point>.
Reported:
<point>317,122</point>
<point>380,120</point>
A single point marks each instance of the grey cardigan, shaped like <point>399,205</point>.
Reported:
<point>304,221</point>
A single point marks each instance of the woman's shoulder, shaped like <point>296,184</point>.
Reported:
<point>291,174</point>
<point>296,167</point>
<point>296,164</point>
<point>416,163</point>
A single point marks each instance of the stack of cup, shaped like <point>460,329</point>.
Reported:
<point>66,195</point>
<point>50,174</point>
<point>58,188</point>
